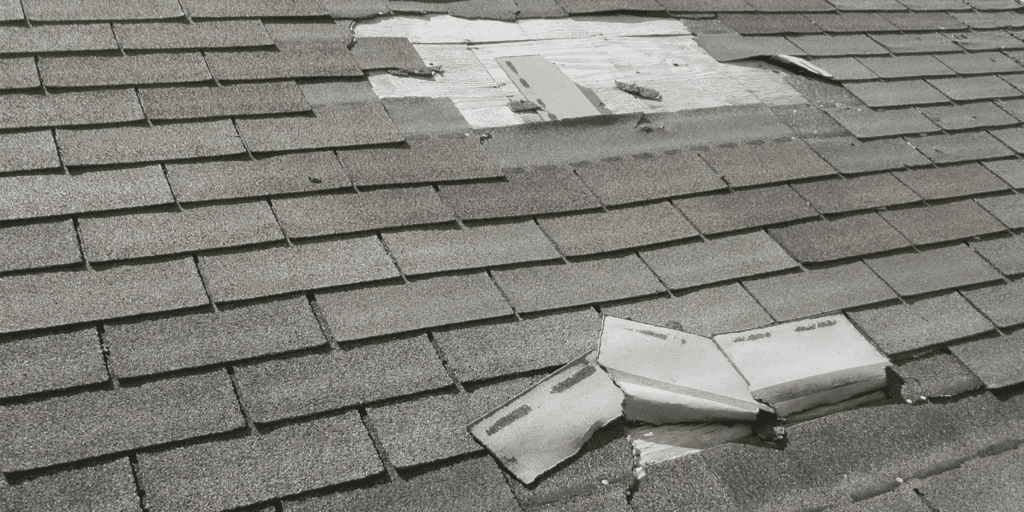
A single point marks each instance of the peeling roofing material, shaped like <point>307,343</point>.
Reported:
<point>250,259</point>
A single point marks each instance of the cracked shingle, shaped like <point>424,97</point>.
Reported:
<point>286,174</point>
<point>933,270</point>
<point>209,34</point>
<point>153,68</point>
<point>526,192</point>
<point>224,101</point>
<point>55,361</point>
<point>924,323</point>
<point>295,60</point>
<point>70,108</point>
<point>149,143</point>
<point>721,259</point>
<point>365,211</point>
<point>26,197</point>
<point>45,244</point>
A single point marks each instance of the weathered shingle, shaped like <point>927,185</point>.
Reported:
<point>26,197</point>
<point>955,181</point>
<point>865,123</point>
<point>54,361</point>
<point>852,22</point>
<point>897,94</point>
<point>1013,137</point>
<point>843,195</point>
<point>821,291</point>
<point>849,156</point>
<point>938,374</point>
<point>744,209</point>
<point>945,222</point>
<point>1003,303</point>
<point>960,147</point>
<point>975,88</point>
<point>838,45</point>
<point>18,73</point>
<point>374,53</point>
<point>44,244</point>
<point>527,192</point>
<point>365,211</point>
<point>78,10</point>
<point>438,250</point>
<point>916,43</point>
<point>646,177</point>
<point>924,323</point>
<point>354,124</point>
<point>299,59</point>
<point>109,486</point>
<point>25,151</point>
<point>230,100</point>
<point>986,40</point>
<point>254,8</point>
<point>152,68</point>
<point>149,143</point>
<point>933,270</point>
<point>577,235</point>
<point>423,161</point>
<point>921,20</point>
<point>76,427</point>
<point>721,259</point>
<point>826,240</point>
<point>426,117</point>
<point>71,108</point>
<point>766,163</point>
<point>286,174</point>
<point>1006,254</point>
<point>766,24</point>
<point>57,38</point>
<point>705,312</point>
<point>907,66</point>
<point>1011,171</point>
<point>208,34</point>
<point>979,63</point>
<point>971,115</point>
<point>994,360</point>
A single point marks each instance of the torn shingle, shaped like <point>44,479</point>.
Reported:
<point>1006,254</point>
<point>947,182</point>
<point>280,270</point>
<point>1003,303</point>
<point>838,45</point>
<point>704,312</point>
<point>424,161</point>
<point>61,298</point>
<point>336,92</point>
<point>365,211</point>
<point>224,101</point>
<point>642,178</point>
<point>590,233</point>
<point>237,472</point>
<point>942,223</point>
<point>146,144</point>
<point>18,73</point>
<point>721,259</point>
<point>194,229</point>
<point>527,192</point>
<point>744,209</point>
<point>357,9</point>
<point>971,115</point>
<point>897,94</point>
<point>426,117</point>
<point>994,360</point>
<point>152,68</point>
<point>55,361</point>
<point>26,197</point>
<point>286,174</point>
<point>67,429</point>
<point>285,388</point>
<point>24,151</point>
<point>960,147</point>
<point>295,60</point>
<point>933,270</point>
<point>439,301</point>
<point>766,163</point>
<point>843,195</point>
<point>181,342</point>
<point>38,245</point>
<point>826,240</point>
<point>394,53</point>
<point>439,250</point>
<point>849,156</point>
<point>821,291</point>
<point>1011,171</point>
<point>924,323</point>
<point>71,108</point>
<point>354,124</point>
<point>916,43</point>
<point>254,8</point>
<point>867,123</point>
<point>210,34</point>
<point>936,375</point>
<point>58,38</point>
<point>77,10</point>
<point>494,350</point>
<point>109,486</point>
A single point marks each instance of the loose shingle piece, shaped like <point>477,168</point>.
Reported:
<point>394,53</point>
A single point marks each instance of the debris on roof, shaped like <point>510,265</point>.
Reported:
<point>638,90</point>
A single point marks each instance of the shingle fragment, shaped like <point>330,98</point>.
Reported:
<point>924,323</point>
<point>149,143</point>
<point>303,267</point>
<point>423,161</point>
<point>960,147</point>
<point>153,68</point>
<point>335,126</point>
<point>745,209</point>
<point>439,301</point>
<point>286,174</point>
<point>397,53</point>
<point>71,428</point>
<point>994,360</point>
<point>867,123</point>
<point>495,350</point>
<point>935,375</point>
<point>18,73</point>
<point>576,284</point>
<point>44,244</point>
<point>942,223</point>
<point>80,37</point>
<point>861,193</point>
<point>970,115</point>
<point>721,259</point>
<point>826,240</point>
<point>897,94</point>
<point>299,386</point>
<point>54,361</point>
<point>224,101</point>
<point>109,486</point>
<point>426,117</point>
<point>180,342</point>
<point>590,233</point>
<point>933,270</point>
<point>26,197</point>
<point>850,156</point>
<point>526,192</point>
<point>766,163</point>
<point>83,10</point>
<point>365,211</point>
<point>254,8</point>
<point>206,34</point>
<point>71,108</point>
<point>295,60</point>
<point>289,460</point>
<point>820,291</point>
<point>1002,303</point>
<point>646,177</point>
<point>705,312</point>
<point>954,181</point>
<point>28,150</point>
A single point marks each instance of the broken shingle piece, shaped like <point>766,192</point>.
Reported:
<point>423,161</point>
<point>335,126</point>
<point>526,192</point>
<point>208,34</point>
<point>931,321</point>
<point>57,38</point>
<point>25,151</point>
<point>296,59</point>
<point>70,108</point>
<point>26,197</point>
<point>426,117</point>
<point>936,375</point>
<point>148,143</point>
<point>285,174</point>
<point>224,101</point>
<point>153,68</point>
<point>54,361</point>
<point>389,53</point>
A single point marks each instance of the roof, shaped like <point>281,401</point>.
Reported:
<point>233,277</point>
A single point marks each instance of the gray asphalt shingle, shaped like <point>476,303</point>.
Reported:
<point>944,222</point>
<point>1011,171</point>
<point>426,117</point>
<point>285,174</point>
<point>154,68</point>
<point>955,181</point>
<point>336,126</point>
<point>865,123</point>
<point>706,312</point>
<point>939,374</point>
<point>147,144</point>
<point>25,151</point>
<point>849,156</point>
<point>224,101</point>
<point>45,244</point>
<point>766,163</point>
<point>26,197</point>
<point>55,361</point>
<point>751,208</point>
<point>924,323</point>
<point>933,270</point>
<point>821,291</point>
<point>254,8</point>
<point>861,193</point>
<point>826,240</point>
<point>58,38</point>
<point>423,161</point>
<point>646,177</point>
<point>294,60</point>
<point>589,233</point>
<point>971,115</point>
<point>1003,303</point>
<point>526,192</point>
<point>1008,209</point>
<point>397,53</point>
<point>439,250</point>
<point>994,360</point>
<point>721,259</point>
<point>208,34</point>
<point>71,108</point>
<point>18,73</point>
<point>897,94</point>
<point>109,486</point>
<point>346,213</point>
<point>74,10</point>
<point>1006,254</point>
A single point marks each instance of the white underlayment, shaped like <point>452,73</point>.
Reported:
<point>593,51</point>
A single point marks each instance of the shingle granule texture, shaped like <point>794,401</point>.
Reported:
<point>44,195</point>
<point>1002,303</point>
<point>438,250</point>
<point>990,483</point>
<point>43,244</point>
<point>821,241</point>
<point>646,177</point>
<point>924,323</point>
<point>705,312</point>
<point>821,291</point>
<point>365,211</point>
<point>424,161</point>
<point>721,259</point>
<point>861,193</point>
<point>994,360</point>
<point>55,361</point>
<point>147,144</point>
<point>933,270</point>
<point>936,375</point>
<point>590,233</point>
<point>745,209</point>
<point>1006,254</point>
<point>109,486</point>
<point>286,174</point>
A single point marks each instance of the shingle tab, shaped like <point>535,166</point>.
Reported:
<point>355,124</point>
<point>304,267</point>
<point>745,209</point>
<point>375,53</point>
<point>365,211</point>
<point>1008,209</point>
<point>286,174</point>
<point>767,24</point>
<point>426,117</point>
<point>852,22</point>
<point>109,486</point>
<point>926,21</point>
<point>58,38</point>
<point>941,223</point>
<point>907,66</point>
<point>849,156</point>
<point>180,342</point>
<point>194,229</point>
<point>843,195</point>
<point>60,298</point>
<point>26,197</point>
<point>71,428</point>
<point>722,259</point>
<point>198,36</point>
<point>224,101</point>
<point>423,161</point>
<point>924,323</point>
<point>614,230</point>
<point>152,68</point>
<point>38,245</point>
<point>979,63</point>
<point>867,123</point>
<point>18,73</point>
<point>147,144</point>
<point>955,181</point>
<point>994,360</point>
<point>439,301</point>
<point>300,386</point>
<point>766,163</point>
<point>960,147</point>
<point>838,45</point>
<point>971,115</point>
<point>794,296</point>
<point>71,108</point>
<point>986,40</point>
<point>78,10</point>
<point>707,311</point>
<point>1003,303</point>
<point>12,11</point>
<point>438,250</point>
<point>936,375</point>
<point>897,94</point>
<point>845,68</point>
<point>975,88</point>
<point>933,270</point>
<point>1011,171</point>
<point>821,241</point>
<point>1006,254</point>
<point>238,472</point>
<point>527,192</point>
<point>576,284</point>
<point>494,350</point>
<point>643,178</point>
<point>916,43</point>
<point>1013,137</point>
<point>55,361</point>
<point>297,59</point>
<point>25,151</point>
<point>254,8</point>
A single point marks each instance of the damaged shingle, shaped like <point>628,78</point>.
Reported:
<point>389,53</point>
<point>294,60</point>
<point>353,124</point>
<point>423,161</point>
<point>347,213</point>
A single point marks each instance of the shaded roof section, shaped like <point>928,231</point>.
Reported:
<point>232,276</point>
